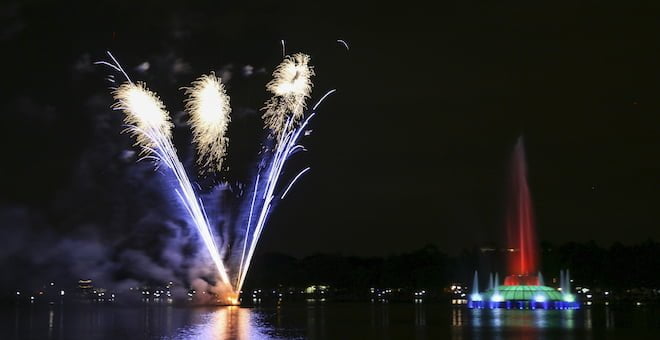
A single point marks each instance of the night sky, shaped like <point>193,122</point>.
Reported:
<point>412,149</point>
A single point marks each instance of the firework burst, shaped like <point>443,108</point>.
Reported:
<point>208,108</point>
<point>149,122</point>
<point>291,87</point>
<point>145,114</point>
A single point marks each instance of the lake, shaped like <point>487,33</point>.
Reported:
<point>328,320</point>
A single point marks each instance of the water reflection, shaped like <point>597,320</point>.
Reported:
<point>51,314</point>
<point>587,318</point>
<point>513,318</point>
<point>609,318</point>
<point>316,321</point>
<point>457,317</point>
<point>476,317</point>
<point>420,315</point>
<point>568,318</point>
<point>225,323</point>
<point>496,320</point>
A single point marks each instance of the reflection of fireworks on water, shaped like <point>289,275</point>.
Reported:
<point>208,107</point>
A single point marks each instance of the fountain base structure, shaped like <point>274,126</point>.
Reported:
<point>524,292</point>
<point>523,297</point>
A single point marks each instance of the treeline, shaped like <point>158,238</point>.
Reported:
<point>615,267</point>
<point>427,266</point>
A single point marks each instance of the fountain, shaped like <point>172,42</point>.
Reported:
<point>523,287</point>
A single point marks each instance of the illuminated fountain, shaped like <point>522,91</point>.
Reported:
<point>475,296</point>
<point>523,287</point>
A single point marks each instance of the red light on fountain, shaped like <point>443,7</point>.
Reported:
<point>521,280</point>
<point>521,238</point>
<point>523,288</point>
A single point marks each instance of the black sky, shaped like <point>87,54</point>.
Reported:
<point>413,147</point>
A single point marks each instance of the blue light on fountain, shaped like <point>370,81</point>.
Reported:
<point>475,296</point>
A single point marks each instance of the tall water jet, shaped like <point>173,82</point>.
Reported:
<point>475,296</point>
<point>496,297</point>
<point>521,236</point>
<point>565,285</point>
<point>523,286</point>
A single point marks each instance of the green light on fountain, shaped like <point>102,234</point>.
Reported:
<point>496,298</point>
<point>523,293</point>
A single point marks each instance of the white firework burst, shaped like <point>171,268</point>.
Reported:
<point>291,86</point>
<point>208,108</point>
<point>145,114</point>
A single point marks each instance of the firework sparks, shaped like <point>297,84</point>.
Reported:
<point>208,107</point>
<point>343,43</point>
<point>291,86</point>
<point>144,111</point>
<point>294,182</point>
<point>149,121</point>
<point>265,189</point>
<point>267,195</point>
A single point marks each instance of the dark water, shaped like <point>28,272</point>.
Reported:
<point>324,321</point>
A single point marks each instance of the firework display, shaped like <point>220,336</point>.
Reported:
<point>208,108</point>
